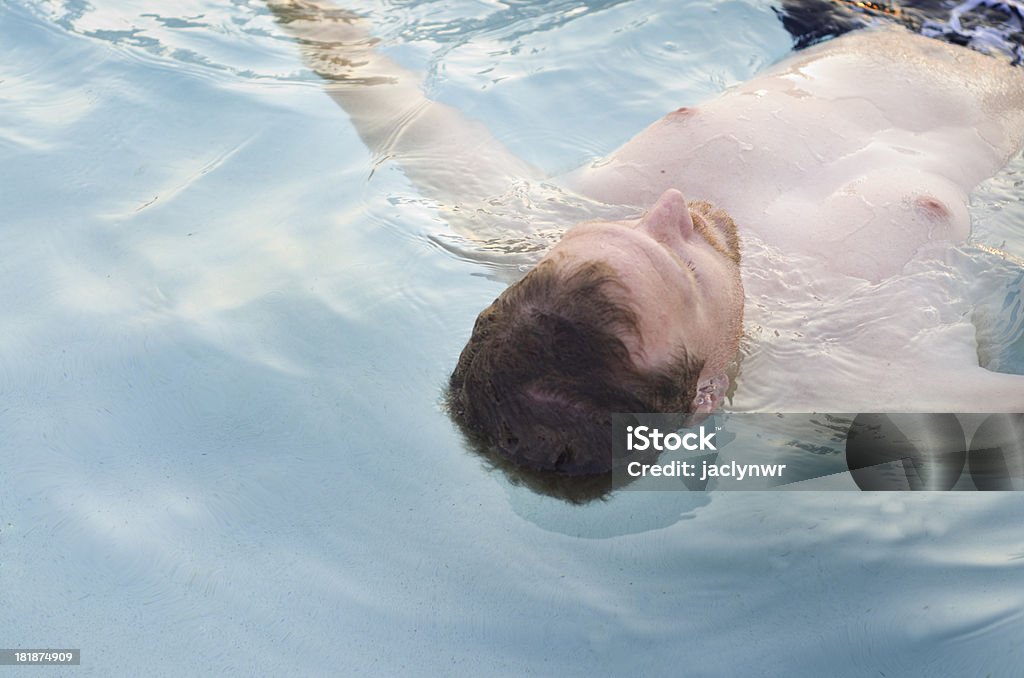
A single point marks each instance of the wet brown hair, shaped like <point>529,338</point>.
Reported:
<point>546,367</point>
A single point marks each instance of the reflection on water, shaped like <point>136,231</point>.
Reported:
<point>223,352</point>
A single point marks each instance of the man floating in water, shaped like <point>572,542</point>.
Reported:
<point>855,156</point>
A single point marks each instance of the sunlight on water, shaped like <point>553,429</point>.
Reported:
<point>227,327</point>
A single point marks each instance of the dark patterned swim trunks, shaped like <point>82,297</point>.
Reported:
<point>994,27</point>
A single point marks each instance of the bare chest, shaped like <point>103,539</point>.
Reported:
<point>821,157</point>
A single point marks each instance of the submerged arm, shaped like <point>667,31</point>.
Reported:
<point>447,156</point>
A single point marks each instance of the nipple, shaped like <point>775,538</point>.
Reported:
<point>681,115</point>
<point>932,207</point>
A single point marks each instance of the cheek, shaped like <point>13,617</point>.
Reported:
<point>727,287</point>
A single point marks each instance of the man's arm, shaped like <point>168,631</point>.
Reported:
<point>447,156</point>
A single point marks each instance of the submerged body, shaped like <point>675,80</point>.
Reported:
<point>853,158</point>
<point>855,152</point>
<point>856,156</point>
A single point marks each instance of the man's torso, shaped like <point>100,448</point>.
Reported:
<point>855,152</point>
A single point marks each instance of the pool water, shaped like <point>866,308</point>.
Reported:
<point>226,329</point>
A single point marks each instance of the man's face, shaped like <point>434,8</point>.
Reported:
<point>680,275</point>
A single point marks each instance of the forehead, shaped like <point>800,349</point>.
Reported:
<point>652,282</point>
<point>634,257</point>
<point>611,242</point>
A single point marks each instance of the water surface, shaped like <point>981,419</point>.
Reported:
<point>224,346</point>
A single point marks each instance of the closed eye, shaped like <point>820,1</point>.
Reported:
<point>685,262</point>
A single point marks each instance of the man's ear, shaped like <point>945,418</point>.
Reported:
<point>710,394</point>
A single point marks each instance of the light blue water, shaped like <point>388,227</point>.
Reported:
<point>221,446</point>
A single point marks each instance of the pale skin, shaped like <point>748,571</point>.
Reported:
<point>855,155</point>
